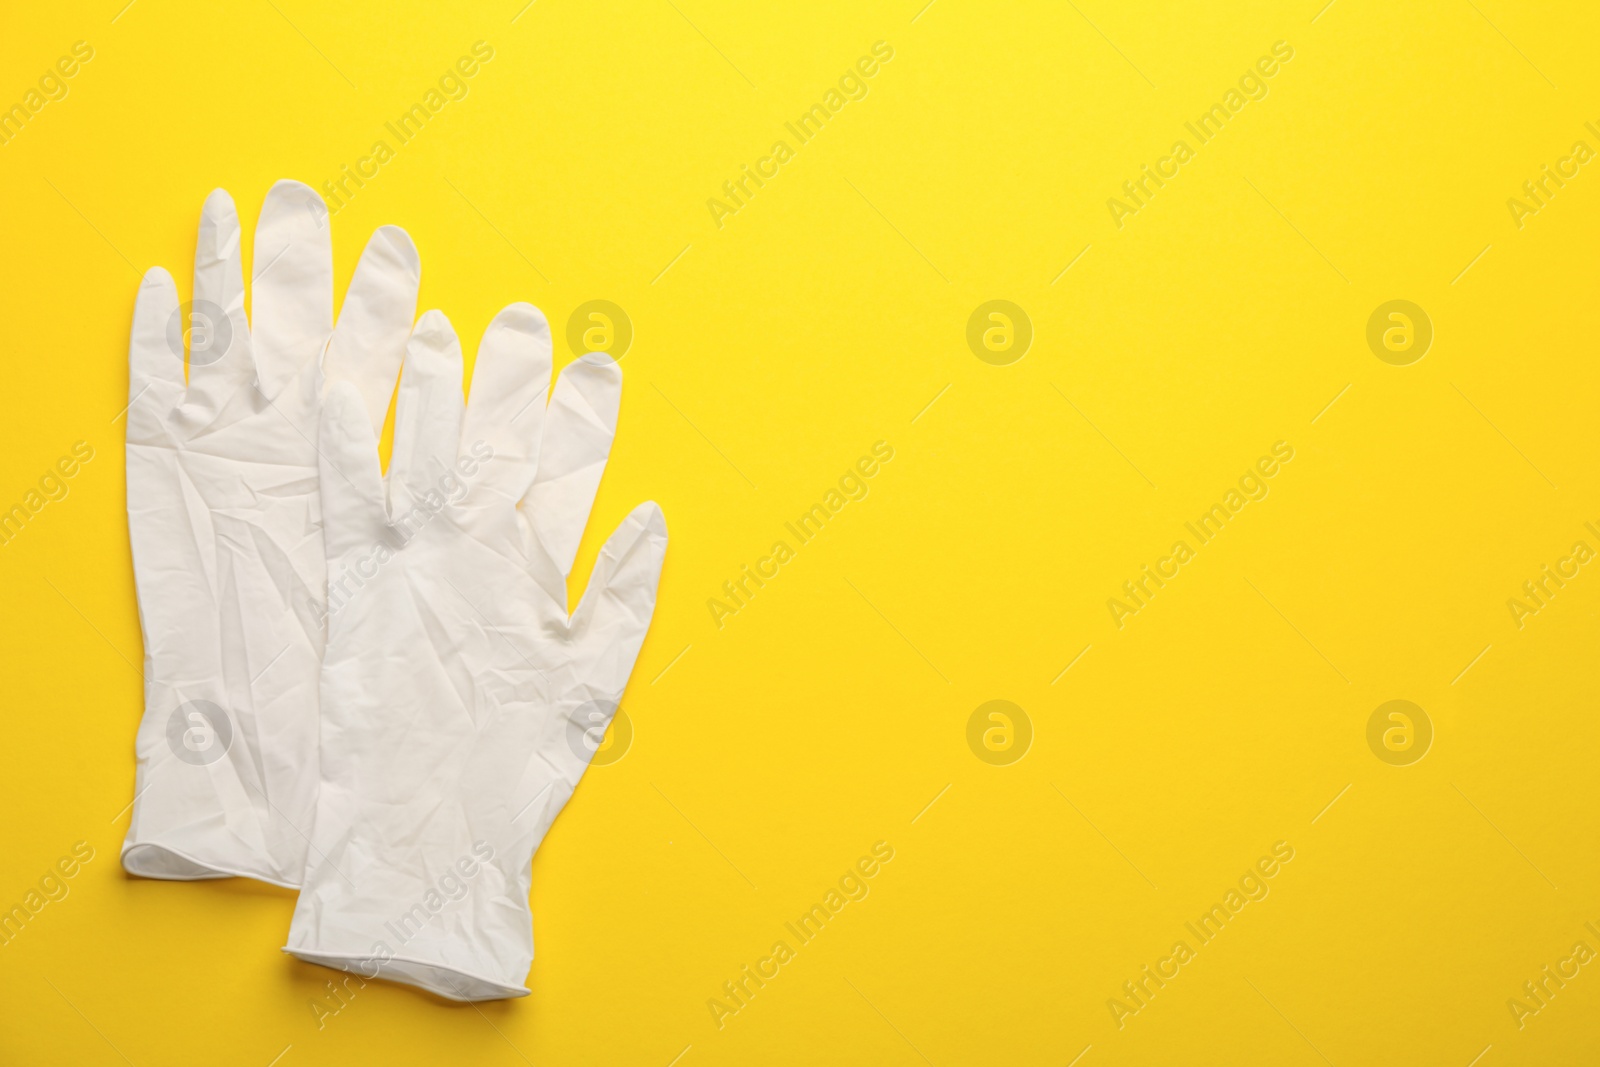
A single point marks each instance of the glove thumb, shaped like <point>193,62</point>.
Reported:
<point>615,612</point>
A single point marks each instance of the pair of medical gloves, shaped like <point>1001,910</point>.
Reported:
<point>367,686</point>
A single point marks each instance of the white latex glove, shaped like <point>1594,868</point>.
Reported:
<point>225,522</point>
<point>460,702</point>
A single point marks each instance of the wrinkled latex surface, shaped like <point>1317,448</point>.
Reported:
<point>224,517</point>
<point>460,700</point>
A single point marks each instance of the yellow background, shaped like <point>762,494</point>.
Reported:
<point>827,714</point>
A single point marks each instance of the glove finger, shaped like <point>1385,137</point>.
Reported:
<point>155,357</point>
<point>506,408</point>
<point>351,480</point>
<point>291,292</point>
<point>369,340</point>
<point>615,612</point>
<point>217,330</point>
<point>578,431</point>
<point>427,418</point>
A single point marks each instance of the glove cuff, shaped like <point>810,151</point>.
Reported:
<point>192,852</point>
<point>446,980</point>
<point>463,930</point>
<point>194,814</point>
